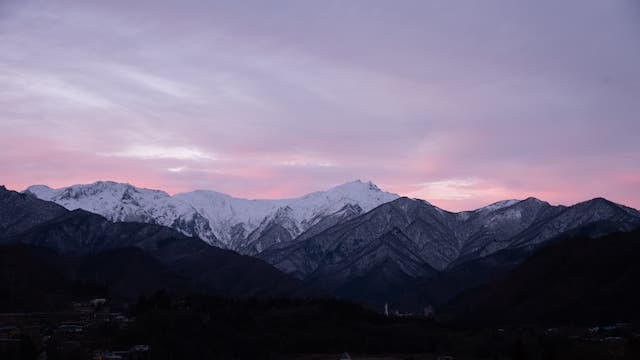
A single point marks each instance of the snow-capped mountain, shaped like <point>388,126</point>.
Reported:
<point>355,240</point>
<point>248,226</point>
<point>398,244</point>
<point>441,238</point>
<point>132,258</point>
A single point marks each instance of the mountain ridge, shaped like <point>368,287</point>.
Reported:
<point>219,219</point>
<point>441,240</point>
<point>350,237</point>
<point>82,234</point>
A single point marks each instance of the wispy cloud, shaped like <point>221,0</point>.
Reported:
<point>452,189</point>
<point>151,152</point>
<point>305,161</point>
<point>152,82</point>
<point>48,88</point>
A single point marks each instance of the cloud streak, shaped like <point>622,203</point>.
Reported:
<point>151,152</point>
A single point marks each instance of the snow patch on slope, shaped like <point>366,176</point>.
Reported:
<point>499,205</point>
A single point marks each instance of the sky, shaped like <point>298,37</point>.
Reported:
<point>461,103</point>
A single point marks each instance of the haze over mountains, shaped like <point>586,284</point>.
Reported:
<point>355,240</point>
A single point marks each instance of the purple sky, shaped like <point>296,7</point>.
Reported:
<point>458,102</point>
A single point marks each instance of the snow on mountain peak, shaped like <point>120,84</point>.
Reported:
<point>358,185</point>
<point>213,216</point>
<point>499,205</point>
<point>41,191</point>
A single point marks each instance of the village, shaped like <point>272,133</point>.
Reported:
<point>83,331</point>
<point>86,330</point>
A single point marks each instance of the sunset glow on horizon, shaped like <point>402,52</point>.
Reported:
<point>460,103</point>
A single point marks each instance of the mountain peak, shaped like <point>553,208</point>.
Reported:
<point>41,191</point>
<point>600,199</point>
<point>499,205</point>
<point>533,200</point>
<point>605,203</point>
<point>36,187</point>
<point>357,185</point>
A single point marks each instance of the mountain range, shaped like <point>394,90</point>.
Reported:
<point>389,251</point>
<point>247,226</point>
<point>354,240</point>
<point>127,257</point>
